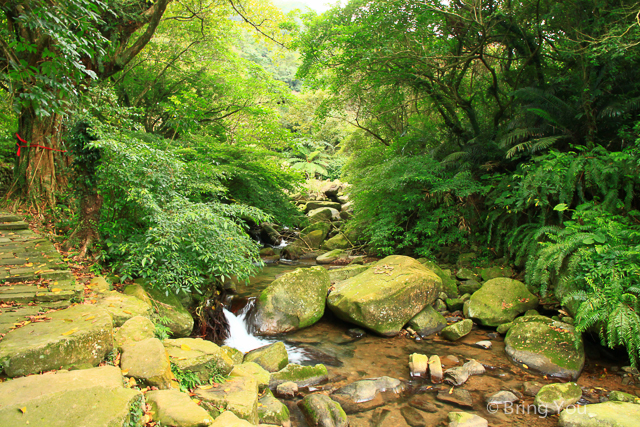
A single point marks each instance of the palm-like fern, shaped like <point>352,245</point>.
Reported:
<point>310,158</point>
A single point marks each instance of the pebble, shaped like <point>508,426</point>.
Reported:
<point>457,396</point>
<point>483,344</point>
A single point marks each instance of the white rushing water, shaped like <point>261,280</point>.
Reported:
<point>241,339</point>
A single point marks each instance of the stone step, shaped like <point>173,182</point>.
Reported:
<point>7,217</point>
<point>18,225</point>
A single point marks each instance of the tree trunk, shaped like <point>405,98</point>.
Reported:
<point>37,176</point>
<point>86,233</point>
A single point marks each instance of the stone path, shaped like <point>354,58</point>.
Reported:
<point>33,276</point>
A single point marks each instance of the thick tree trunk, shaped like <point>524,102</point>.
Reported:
<point>37,177</point>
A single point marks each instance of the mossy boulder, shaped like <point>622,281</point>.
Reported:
<point>202,357</point>
<point>238,395</point>
<point>457,330</point>
<point>621,396</point>
<point>148,362</point>
<point>303,376</point>
<point>167,305</point>
<point>499,301</point>
<point>465,419</point>
<point>79,336</point>
<point>495,272</point>
<point>319,204</point>
<point>92,397</point>
<point>329,257</point>
<point>553,398</point>
<point>272,357</point>
<point>607,414</point>
<point>428,322</point>
<point>365,395</point>
<point>320,215</point>
<point>387,295</point>
<point>271,410</point>
<point>251,369</point>
<point>136,329</point>
<point>322,411</point>
<point>173,408</point>
<point>546,346</point>
<point>234,354</point>
<point>449,286</point>
<point>293,301</point>
<point>466,274</point>
<point>123,307</point>
<point>339,241</point>
<point>344,273</point>
<point>469,287</point>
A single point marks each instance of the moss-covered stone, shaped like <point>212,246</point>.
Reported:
<point>271,410</point>
<point>79,336</point>
<point>320,215</point>
<point>148,362</point>
<point>466,274</point>
<point>457,330</point>
<point>238,395</point>
<point>272,357</point>
<point>202,357</point>
<point>428,322</point>
<point>365,395</point>
<point>303,376</point>
<point>465,419</point>
<point>495,272</point>
<point>89,397</point>
<point>320,410</point>
<point>251,369</point>
<point>621,396</point>
<point>454,304</point>
<point>173,408</point>
<point>339,241</point>
<point>229,419</point>
<point>136,329</point>
<point>499,301</point>
<point>293,301</point>
<point>167,305</point>
<point>504,328</point>
<point>553,398</point>
<point>546,346</point>
<point>123,307</point>
<point>234,354</point>
<point>344,273</point>
<point>607,414</point>
<point>469,287</point>
<point>318,204</point>
<point>330,256</point>
<point>449,285</point>
<point>386,296</point>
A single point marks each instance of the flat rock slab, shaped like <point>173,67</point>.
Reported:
<point>78,336</point>
<point>238,395</point>
<point>123,307</point>
<point>199,356</point>
<point>367,394</point>
<point>172,408</point>
<point>147,361</point>
<point>457,396</point>
<point>85,398</point>
<point>614,414</point>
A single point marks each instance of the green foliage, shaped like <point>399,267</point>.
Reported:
<point>187,379</point>
<point>310,157</point>
<point>163,332</point>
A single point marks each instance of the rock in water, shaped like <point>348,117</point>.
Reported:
<point>167,305</point>
<point>386,296</point>
<point>502,397</point>
<point>546,346</point>
<point>329,257</point>
<point>464,419</point>
<point>614,414</point>
<point>302,376</point>
<point>457,396</point>
<point>460,374</point>
<point>457,330</point>
<point>271,410</point>
<point>428,322</point>
<point>449,286</point>
<point>341,274</point>
<point>435,369</point>
<point>321,411</point>
<point>272,357</point>
<point>499,301</point>
<point>418,365</point>
<point>367,394</point>
<point>293,301</point>
<point>79,336</point>
<point>413,417</point>
<point>553,398</point>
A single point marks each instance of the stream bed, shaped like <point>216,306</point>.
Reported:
<point>349,359</point>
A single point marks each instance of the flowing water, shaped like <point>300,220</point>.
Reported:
<point>349,359</point>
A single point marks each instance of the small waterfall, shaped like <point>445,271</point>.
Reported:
<point>241,339</point>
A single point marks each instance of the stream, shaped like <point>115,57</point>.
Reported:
<point>349,359</point>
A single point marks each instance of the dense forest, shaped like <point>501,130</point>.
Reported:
<point>152,135</point>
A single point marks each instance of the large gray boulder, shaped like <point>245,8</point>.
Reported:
<point>293,301</point>
<point>546,346</point>
<point>499,301</point>
<point>386,296</point>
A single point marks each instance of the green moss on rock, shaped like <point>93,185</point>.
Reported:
<point>499,301</point>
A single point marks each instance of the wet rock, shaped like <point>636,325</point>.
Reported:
<point>483,344</point>
<point>238,395</point>
<point>531,388</point>
<point>339,241</point>
<point>136,329</point>
<point>253,370</point>
<point>88,397</point>
<point>504,328</point>
<point>287,390</point>
<point>229,419</point>
<point>202,357</point>
<point>272,411</point>
<point>330,256</point>
<point>499,301</point>
<point>466,274</point>
<point>449,286</point>
<point>464,419</point>
<point>148,362</point>
<point>450,358</point>
<point>613,414</point>
<point>356,332</point>
<point>321,411</point>
<point>469,287</point>
<point>440,306</point>
<point>435,369</point>
<point>413,417</point>
<point>428,322</point>
<point>303,376</point>
<point>418,365</point>
<point>457,330</point>
<point>423,402</point>
<point>341,274</point>
<point>386,296</point>
<point>454,304</point>
<point>620,396</point>
<point>356,260</point>
<point>172,408</point>
<point>122,307</point>
<point>460,374</point>
<point>367,394</point>
<point>495,272</point>
<point>457,396</point>
<point>315,234</point>
<point>553,398</point>
<point>293,301</point>
<point>267,252</point>
<point>502,397</point>
<point>234,354</point>
<point>79,336</point>
<point>272,357</point>
<point>546,346</point>
<point>320,215</point>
